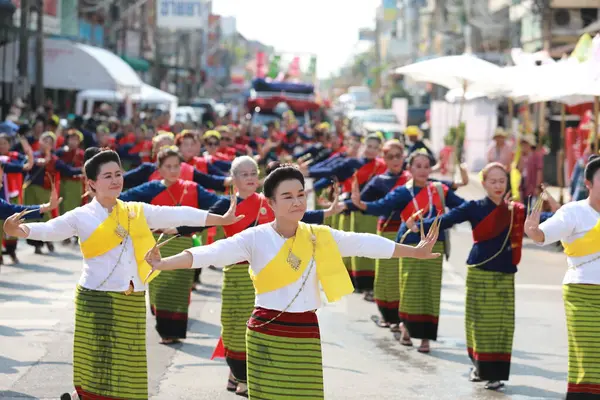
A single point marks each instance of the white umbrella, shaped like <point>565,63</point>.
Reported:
<point>450,71</point>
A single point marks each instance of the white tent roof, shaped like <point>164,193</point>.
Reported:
<point>75,66</point>
<point>150,94</point>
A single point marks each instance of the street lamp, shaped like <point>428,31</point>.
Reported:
<point>7,9</point>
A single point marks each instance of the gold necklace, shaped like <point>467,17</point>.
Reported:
<point>120,231</point>
<point>293,260</point>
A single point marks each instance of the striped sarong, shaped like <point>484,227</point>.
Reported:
<point>237,303</point>
<point>343,222</point>
<point>420,288</point>
<point>71,191</point>
<point>490,322</point>
<point>170,294</point>
<point>582,306</point>
<point>109,352</point>
<point>387,285</point>
<point>363,269</point>
<point>284,357</point>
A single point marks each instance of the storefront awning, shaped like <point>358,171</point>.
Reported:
<point>138,64</point>
<point>75,66</point>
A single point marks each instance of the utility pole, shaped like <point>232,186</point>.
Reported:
<point>545,13</point>
<point>377,54</point>
<point>178,40</point>
<point>39,51</point>
<point>23,78</point>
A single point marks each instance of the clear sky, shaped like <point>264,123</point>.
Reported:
<point>328,28</point>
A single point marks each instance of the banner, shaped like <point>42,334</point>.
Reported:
<point>179,14</point>
<point>274,66</point>
<point>366,34</point>
<point>390,10</point>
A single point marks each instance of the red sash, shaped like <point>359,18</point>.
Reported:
<point>75,158</point>
<point>186,173</point>
<point>255,210</point>
<point>181,193</point>
<point>200,164</point>
<point>365,173</point>
<point>142,147</point>
<point>498,221</point>
<point>52,173</point>
<point>422,200</point>
<point>404,177</point>
<point>14,180</point>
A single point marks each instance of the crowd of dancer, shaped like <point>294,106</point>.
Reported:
<point>144,200</point>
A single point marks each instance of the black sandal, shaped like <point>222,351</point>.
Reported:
<point>380,322</point>
<point>369,297</point>
<point>231,385</point>
<point>494,385</point>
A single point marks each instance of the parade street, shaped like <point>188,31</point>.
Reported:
<point>361,361</point>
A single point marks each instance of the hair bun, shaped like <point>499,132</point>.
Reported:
<point>90,152</point>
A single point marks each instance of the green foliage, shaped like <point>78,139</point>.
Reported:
<point>456,138</point>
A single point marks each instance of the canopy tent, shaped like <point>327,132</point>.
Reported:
<point>75,66</point>
<point>147,95</point>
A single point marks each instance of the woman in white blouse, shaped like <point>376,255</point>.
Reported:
<point>577,226</point>
<point>289,260</point>
<point>109,357</point>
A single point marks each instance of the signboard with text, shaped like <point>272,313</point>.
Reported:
<point>179,14</point>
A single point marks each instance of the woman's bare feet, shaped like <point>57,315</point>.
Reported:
<point>169,341</point>
<point>405,337</point>
<point>242,389</point>
<point>424,348</point>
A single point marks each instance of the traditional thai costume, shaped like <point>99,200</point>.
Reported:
<point>343,168</point>
<point>577,226</point>
<point>420,280</point>
<point>12,188</point>
<point>490,294</point>
<point>209,166</point>
<point>283,338</point>
<point>237,294</point>
<point>71,188</point>
<point>386,287</point>
<point>109,356</point>
<point>149,172</point>
<point>36,189</point>
<point>170,292</point>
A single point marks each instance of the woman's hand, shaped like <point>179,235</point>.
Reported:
<point>229,217</point>
<point>154,259</point>
<point>411,221</point>
<point>13,225</point>
<point>355,195</point>
<point>532,227</point>
<point>425,246</point>
<point>336,206</point>
<point>52,204</point>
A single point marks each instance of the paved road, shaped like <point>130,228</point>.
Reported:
<point>360,360</point>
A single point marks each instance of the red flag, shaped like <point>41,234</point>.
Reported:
<point>219,350</point>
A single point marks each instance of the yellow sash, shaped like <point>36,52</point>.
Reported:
<point>585,245</point>
<point>331,271</point>
<point>104,238</point>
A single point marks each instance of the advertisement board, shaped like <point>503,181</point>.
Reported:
<point>179,14</point>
